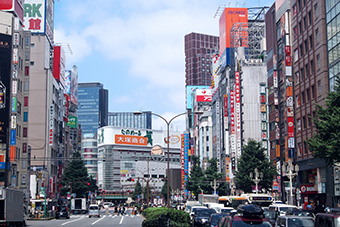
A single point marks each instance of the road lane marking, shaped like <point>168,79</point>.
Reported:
<point>99,220</point>
<point>121,220</point>
<point>78,219</point>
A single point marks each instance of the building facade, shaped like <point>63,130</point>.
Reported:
<point>130,120</point>
<point>130,153</point>
<point>92,107</point>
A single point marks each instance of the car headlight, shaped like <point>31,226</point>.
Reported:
<point>203,220</point>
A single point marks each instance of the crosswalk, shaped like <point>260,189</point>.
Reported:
<point>105,215</point>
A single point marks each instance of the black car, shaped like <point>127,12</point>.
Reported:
<point>201,217</point>
<point>62,211</point>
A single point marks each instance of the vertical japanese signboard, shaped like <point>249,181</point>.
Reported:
<point>238,113</point>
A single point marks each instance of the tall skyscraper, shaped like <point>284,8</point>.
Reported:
<point>92,107</point>
<point>130,120</point>
<point>199,49</point>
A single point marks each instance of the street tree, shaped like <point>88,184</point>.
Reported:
<point>164,191</point>
<point>75,178</point>
<point>195,180</point>
<point>326,141</point>
<point>138,191</point>
<point>253,156</point>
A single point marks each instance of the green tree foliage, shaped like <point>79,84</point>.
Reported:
<point>326,141</point>
<point>252,157</point>
<point>75,178</point>
<point>164,191</point>
<point>158,216</point>
<point>138,191</point>
<point>211,174</point>
<point>195,180</point>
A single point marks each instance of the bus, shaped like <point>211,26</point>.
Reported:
<point>263,200</point>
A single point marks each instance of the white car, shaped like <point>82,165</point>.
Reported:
<point>281,208</point>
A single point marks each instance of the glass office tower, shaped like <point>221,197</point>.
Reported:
<point>92,107</point>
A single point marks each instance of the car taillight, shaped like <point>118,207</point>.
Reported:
<point>66,209</point>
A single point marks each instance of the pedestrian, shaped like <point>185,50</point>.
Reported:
<point>119,210</point>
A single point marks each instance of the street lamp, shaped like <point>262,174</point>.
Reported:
<point>168,145</point>
<point>256,179</point>
<point>290,171</point>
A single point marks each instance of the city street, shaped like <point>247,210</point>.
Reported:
<point>84,220</point>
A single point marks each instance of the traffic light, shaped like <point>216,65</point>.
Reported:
<point>131,179</point>
<point>88,184</point>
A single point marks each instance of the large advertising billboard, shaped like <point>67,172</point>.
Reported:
<point>203,95</point>
<point>39,17</point>
<point>227,20</point>
<point>190,90</point>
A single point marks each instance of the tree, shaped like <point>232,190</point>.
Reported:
<point>211,174</point>
<point>326,141</point>
<point>252,157</point>
<point>75,178</point>
<point>195,179</point>
<point>164,191</point>
<point>138,191</point>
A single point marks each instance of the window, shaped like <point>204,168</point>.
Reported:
<point>27,55</point>
<point>28,40</point>
<point>26,101</point>
<point>297,78</point>
<point>32,63</point>
<point>305,22</point>
<point>317,36</point>
<point>304,122</point>
<point>24,132</point>
<point>319,88</point>
<point>298,125</point>
<point>301,50</point>
<point>311,42</point>
<point>307,71</point>
<point>296,55</point>
<point>300,27</point>
<point>307,94</point>
<point>316,10</point>
<point>313,91</point>
<point>310,17</point>
<point>302,75</point>
<point>295,30</point>
<point>312,66</point>
<point>309,120</point>
<point>306,46</point>
<point>26,85</point>
<point>25,116</point>
<point>318,61</point>
<point>303,100</point>
<point>27,70</point>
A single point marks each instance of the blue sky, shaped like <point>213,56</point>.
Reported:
<point>135,48</point>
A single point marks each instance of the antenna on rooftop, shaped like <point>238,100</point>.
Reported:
<point>66,47</point>
<point>219,11</point>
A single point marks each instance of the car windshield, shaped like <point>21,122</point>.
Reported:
<point>94,208</point>
<point>204,212</point>
<point>297,222</point>
<point>251,223</point>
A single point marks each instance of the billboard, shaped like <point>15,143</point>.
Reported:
<point>189,91</point>
<point>38,17</point>
<point>16,6</point>
<point>5,75</point>
<point>203,95</point>
<point>68,82</point>
<point>59,64</point>
<point>74,85</point>
<point>227,19</point>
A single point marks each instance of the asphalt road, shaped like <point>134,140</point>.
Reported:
<point>84,220</point>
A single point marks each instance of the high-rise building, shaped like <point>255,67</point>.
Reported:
<point>14,92</point>
<point>297,80</point>
<point>130,120</point>
<point>92,107</point>
<point>199,48</point>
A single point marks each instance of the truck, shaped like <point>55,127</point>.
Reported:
<point>78,206</point>
<point>207,198</point>
<point>12,207</point>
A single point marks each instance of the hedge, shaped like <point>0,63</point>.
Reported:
<point>178,218</point>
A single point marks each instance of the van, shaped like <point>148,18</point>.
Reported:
<point>94,211</point>
<point>281,209</point>
<point>327,219</point>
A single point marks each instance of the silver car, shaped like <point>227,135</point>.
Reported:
<point>94,211</point>
<point>294,221</point>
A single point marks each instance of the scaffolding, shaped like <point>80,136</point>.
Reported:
<point>250,35</point>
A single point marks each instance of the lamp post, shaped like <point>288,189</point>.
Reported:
<point>168,147</point>
<point>290,171</point>
<point>256,179</point>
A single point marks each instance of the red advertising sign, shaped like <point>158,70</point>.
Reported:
<point>288,60</point>
<point>226,113</point>
<point>288,50</point>
<point>182,161</point>
<point>290,124</point>
<point>232,112</point>
<point>238,100</point>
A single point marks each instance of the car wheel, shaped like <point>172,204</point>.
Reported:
<point>89,216</point>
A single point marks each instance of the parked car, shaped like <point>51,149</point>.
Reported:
<point>94,211</point>
<point>294,221</point>
<point>247,216</point>
<point>62,211</point>
<point>332,218</point>
<point>201,216</point>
